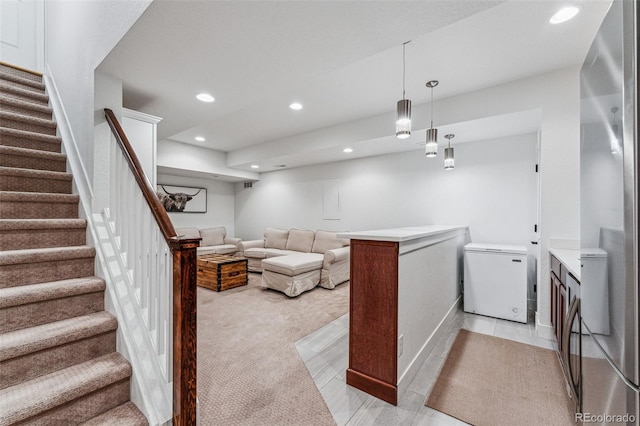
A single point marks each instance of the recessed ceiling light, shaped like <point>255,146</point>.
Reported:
<point>564,14</point>
<point>205,97</point>
<point>296,106</point>
<point>347,150</point>
<point>200,139</point>
<point>255,166</point>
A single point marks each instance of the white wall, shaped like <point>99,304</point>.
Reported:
<point>78,36</point>
<point>492,189</point>
<point>179,156</point>
<point>220,203</point>
<point>559,175</point>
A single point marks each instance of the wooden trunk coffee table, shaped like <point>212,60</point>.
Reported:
<point>221,272</point>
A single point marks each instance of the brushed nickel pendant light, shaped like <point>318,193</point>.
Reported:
<point>449,162</point>
<point>403,118</point>
<point>431,149</point>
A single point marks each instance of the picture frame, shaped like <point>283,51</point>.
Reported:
<point>182,199</point>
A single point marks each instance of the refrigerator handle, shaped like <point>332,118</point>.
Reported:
<point>626,381</point>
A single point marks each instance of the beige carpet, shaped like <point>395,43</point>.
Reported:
<point>491,381</point>
<point>249,371</point>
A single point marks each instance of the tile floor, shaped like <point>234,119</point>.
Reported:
<point>325,353</point>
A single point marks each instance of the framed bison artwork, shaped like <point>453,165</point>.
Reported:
<point>182,199</point>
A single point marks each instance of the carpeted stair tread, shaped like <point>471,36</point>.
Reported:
<point>33,173</point>
<point>33,339</point>
<point>19,121</point>
<point>24,134</point>
<point>34,181</point>
<point>40,233</point>
<point>57,203</point>
<point>42,197</point>
<point>18,71</point>
<point>26,152</point>
<point>36,85</point>
<point>31,224</point>
<point>126,414</point>
<point>33,293</point>
<point>16,257</point>
<point>13,91</point>
<point>26,107</point>
<point>15,157</point>
<point>30,398</point>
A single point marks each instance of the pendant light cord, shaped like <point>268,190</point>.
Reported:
<point>432,107</point>
<point>404,45</point>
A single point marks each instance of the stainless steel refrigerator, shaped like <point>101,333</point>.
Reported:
<point>609,160</point>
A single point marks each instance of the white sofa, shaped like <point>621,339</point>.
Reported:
<point>214,240</point>
<point>294,261</point>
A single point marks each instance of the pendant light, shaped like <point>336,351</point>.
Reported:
<point>449,162</point>
<point>403,119</point>
<point>431,149</point>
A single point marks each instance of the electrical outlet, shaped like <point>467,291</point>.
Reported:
<point>400,344</point>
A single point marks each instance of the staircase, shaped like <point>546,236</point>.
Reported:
<point>58,359</point>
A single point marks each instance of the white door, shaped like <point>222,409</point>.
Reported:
<point>21,33</point>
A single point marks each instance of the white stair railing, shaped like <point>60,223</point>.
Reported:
<point>154,272</point>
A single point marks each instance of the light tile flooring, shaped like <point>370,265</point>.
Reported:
<point>325,353</point>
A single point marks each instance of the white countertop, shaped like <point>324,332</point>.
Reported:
<point>400,234</point>
<point>569,258</point>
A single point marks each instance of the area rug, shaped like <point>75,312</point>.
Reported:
<point>249,371</point>
<point>486,380</point>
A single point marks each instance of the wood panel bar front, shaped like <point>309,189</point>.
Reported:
<point>373,319</point>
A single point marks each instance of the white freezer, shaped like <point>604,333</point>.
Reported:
<point>495,281</point>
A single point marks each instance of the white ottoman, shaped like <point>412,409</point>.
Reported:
<point>292,274</point>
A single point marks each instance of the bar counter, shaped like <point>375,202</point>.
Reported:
<point>405,287</point>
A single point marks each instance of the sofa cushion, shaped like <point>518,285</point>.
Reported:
<point>188,232</point>
<point>326,240</point>
<point>255,253</point>
<point>213,236</point>
<point>300,240</point>
<point>223,249</point>
<point>270,252</point>
<point>276,238</point>
<point>263,253</point>
<point>293,264</point>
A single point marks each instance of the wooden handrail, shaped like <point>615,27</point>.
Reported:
<point>184,250</point>
<point>149,193</point>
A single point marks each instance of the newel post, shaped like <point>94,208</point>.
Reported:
<point>184,329</point>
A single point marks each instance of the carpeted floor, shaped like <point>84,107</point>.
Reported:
<point>249,372</point>
<point>491,381</point>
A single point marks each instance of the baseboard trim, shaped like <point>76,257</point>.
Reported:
<point>385,391</point>
<point>544,329</point>
<point>413,368</point>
